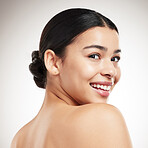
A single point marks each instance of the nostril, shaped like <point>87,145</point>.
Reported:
<point>108,76</point>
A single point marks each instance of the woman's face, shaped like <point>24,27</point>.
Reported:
<point>90,70</point>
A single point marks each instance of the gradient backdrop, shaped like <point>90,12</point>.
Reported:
<point>21,24</point>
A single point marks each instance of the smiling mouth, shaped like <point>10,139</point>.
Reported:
<point>103,87</point>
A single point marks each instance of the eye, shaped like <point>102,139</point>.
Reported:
<point>115,59</point>
<point>94,56</point>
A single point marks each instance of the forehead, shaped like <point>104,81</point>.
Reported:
<point>103,36</point>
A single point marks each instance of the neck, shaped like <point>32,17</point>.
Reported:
<point>53,97</point>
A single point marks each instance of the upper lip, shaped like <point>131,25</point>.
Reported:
<point>103,83</point>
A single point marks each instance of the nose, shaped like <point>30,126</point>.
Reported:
<point>108,69</point>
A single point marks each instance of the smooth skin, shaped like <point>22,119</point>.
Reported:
<point>73,114</point>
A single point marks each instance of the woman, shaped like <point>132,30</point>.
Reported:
<point>77,64</point>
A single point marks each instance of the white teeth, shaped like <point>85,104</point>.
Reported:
<point>98,86</point>
<point>109,87</point>
<point>104,87</point>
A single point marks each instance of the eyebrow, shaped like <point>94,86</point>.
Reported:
<point>102,48</point>
<point>117,51</point>
<point>96,46</point>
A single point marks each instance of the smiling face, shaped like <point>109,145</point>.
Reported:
<point>90,69</point>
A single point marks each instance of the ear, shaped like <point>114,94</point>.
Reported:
<point>51,62</point>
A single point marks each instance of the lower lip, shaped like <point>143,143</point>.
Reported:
<point>103,93</point>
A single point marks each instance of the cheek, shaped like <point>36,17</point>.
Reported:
<point>78,71</point>
<point>82,67</point>
<point>88,71</point>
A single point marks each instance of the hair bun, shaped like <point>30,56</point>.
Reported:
<point>38,70</point>
<point>35,55</point>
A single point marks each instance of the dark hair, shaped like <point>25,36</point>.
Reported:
<point>59,32</point>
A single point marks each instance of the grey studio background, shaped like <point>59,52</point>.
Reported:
<point>21,24</point>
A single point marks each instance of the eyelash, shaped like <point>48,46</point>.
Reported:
<point>93,56</point>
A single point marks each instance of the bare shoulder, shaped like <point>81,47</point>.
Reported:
<point>19,137</point>
<point>98,112</point>
<point>14,143</point>
<point>100,125</point>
